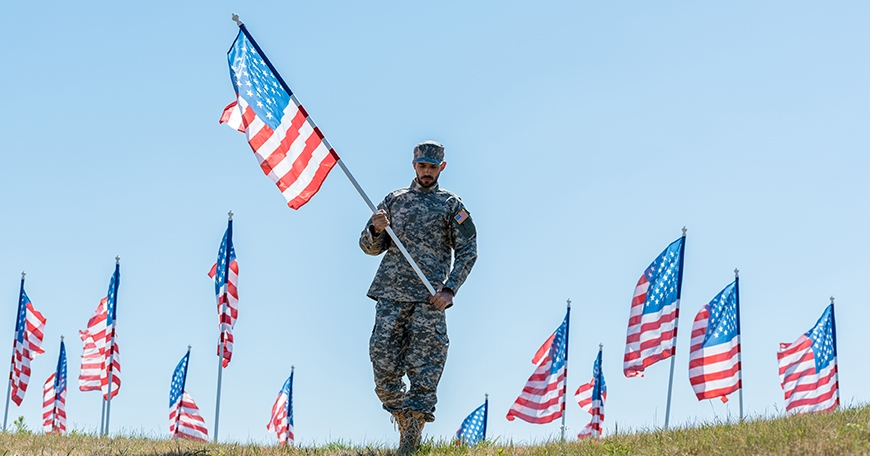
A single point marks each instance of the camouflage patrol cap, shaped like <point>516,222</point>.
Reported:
<point>429,152</point>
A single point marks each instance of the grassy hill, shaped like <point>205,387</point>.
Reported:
<point>843,432</point>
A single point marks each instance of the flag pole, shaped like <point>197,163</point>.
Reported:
<point>12,363</point>
<point>739,352</point>
<point>834,336</point>
<point>676,326</point>
<point>221,341</point>
<point>111,365</point>
<point>565,384</point>
<point>183,385</point>
<point>341,164</point>
<point>485,413</point>
<point>289,404</point>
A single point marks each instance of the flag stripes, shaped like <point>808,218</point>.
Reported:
<point>185,420</point>
<point>281,421</point>
<point>714,353</point>
<point>591,397</point>
<point>54,397</point>
<point>808,368</point>
<point>27,345</point>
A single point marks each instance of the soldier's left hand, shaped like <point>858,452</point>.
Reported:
<point>441,300</point>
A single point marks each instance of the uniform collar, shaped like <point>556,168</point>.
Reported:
<point>415,186</point>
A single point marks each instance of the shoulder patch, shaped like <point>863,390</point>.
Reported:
<point>461,216</point>
<point>465,224</point>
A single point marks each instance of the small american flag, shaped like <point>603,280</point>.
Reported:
<point>185,421</point>
<point>808,368</point>
<point>591,398</point>
<point>655,308</point>
<point>225,273</point>
<point>94,348</point>
<point>54,397</point>
<point>543,397</point>
<point>27,345</point>
<point>281,422</point>
<point>473,428</point>
<point>290,148</point>
<point>714,356</point>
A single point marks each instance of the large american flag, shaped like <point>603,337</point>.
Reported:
<point>185,421</point>
<point>225,273</point>
<point>473,427</point>
<point>281,422</point>
<point>714,355</point>
<point>655,307</point>
<point>808,368</point>
<point>27,345</point>
<point>543,397</point>
<point>590,397</point>
<point>54,397</point>
<point>290,148</point>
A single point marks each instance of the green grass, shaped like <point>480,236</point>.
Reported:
<point>843,432</point>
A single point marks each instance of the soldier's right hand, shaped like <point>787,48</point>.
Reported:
<point>380,221</point>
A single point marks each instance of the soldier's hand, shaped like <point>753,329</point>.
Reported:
<point>441,300</point>
<point>380,221</point>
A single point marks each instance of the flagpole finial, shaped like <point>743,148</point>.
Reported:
<point>684,231</point>
<point>569,303</point>
<point>600,346</point>
<point>736,273</point>
<point>486,396</point>
<point>832,299</point>
<point>188,348</point>
<point>236,19</point>
<point>292,368</point>
<point>61,337</point>
<point>23,274</point>
<point>117,259</point>
<point>230,215</point>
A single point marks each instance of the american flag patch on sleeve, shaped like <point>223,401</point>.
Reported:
<point>461,216</point>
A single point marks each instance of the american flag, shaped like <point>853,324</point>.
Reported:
<point>473,428</point>
<point>27,345</point>
<point>290,148</point>
<point>185,421</point>
<point>111,366</point>
<point>93,375</point>
<point>714,356</point>
<point>281,422</point>
<point>590,397</point>
<point>54,397</point>
<point>655,308</point>
<point>808,368</point>
<point>543,397</point>
<point>225,273</point>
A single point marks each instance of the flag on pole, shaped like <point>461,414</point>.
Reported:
<point>29,329</point>
<point>225,273</point>
<point>54,397</point>
<point>281,422</point>
<point>185,421</point>
<point>808,368</point>
<point>590,397</point>
<point>655,306</point>
<point>290,148</point>
<point>543,397</point>
<point>112,356</point>
<point>714,356</point>
<point>473,428</point>
<point>94,349</point>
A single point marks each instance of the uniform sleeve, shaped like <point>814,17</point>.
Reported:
<point>373,244</point>
<point>464,238</point>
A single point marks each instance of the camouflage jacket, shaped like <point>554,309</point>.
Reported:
<point>430,222</point>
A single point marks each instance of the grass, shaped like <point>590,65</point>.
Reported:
<point>843,432</point>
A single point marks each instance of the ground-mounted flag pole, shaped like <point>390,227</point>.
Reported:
<point>591,396</point>
<point>808,370</point>
<point>537,403</point>
<point>54,397</point>
<point>473,427</point>
<point>185,420</point>
<point>111,324</point>
<point>715,367</point>
<point>565,382</point>
<point>291,149</point>
<point>655,314</point>
<point>281,421</point>
<point>225,273</point>
<point>27,345</point>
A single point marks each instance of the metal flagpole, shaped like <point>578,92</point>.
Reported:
<point>739,352</point>
<point>289,403</point>
<point>183,386</point>
<point>12,363</point>
<point>221,341</point>
<point>565,385</point>
<point>676,326</point>
<point>347,172</point>
<point>485,413</point>
<point>111,365</point>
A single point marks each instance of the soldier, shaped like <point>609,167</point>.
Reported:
<point>410,331</point>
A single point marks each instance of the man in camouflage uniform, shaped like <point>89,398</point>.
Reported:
<point>410,331</point>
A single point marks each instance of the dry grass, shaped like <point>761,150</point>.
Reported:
<point>843,432</point>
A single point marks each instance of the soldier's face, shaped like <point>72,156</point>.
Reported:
<point>427,173</point>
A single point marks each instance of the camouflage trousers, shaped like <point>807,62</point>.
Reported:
<point>408,338</point>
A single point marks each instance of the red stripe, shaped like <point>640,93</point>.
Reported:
<point>323,170</point>
<point>710,359</point>
<point>719,392</point>
<point>713,376</point>
<point>280,153</point>
<point>300,163</point>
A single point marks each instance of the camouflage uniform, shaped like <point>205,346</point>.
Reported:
<point>410,334</point>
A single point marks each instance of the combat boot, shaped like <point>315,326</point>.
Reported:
<point>401,422</point>
<point>410,440</point>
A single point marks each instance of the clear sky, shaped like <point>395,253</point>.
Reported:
<point>581,135</point>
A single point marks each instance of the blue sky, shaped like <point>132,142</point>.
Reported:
<point>581,135</point>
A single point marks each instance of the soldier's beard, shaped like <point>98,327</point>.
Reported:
<point>432,181</point>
